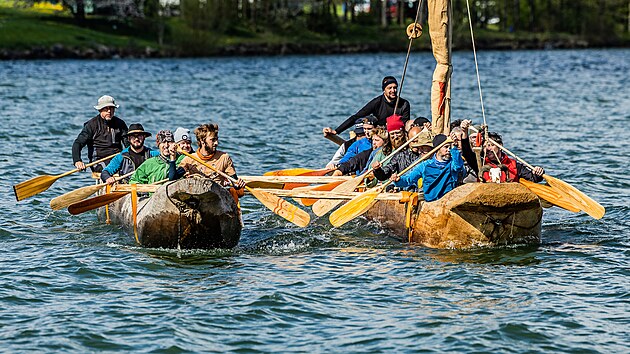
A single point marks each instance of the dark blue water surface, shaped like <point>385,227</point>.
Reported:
<point>71,284</point>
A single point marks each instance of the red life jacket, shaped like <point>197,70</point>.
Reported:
<point>511,166</point>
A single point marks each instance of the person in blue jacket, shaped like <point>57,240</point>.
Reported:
<point>131,157</point>
<point>439,174</point>
<point>363,127</point>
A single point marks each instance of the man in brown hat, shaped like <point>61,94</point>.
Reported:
<point>131,157</point>
<point>102,134</point>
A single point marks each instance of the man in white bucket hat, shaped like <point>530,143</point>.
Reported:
<point>104,135</point>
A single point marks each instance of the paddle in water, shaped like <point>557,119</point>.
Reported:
<point>277,205</point>
<point>566,196</point>
<point>39,184</point>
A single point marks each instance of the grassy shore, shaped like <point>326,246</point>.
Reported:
<point>49,33</point>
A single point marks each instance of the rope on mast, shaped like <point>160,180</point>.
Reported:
<point>413,32</point>
<point>472,37</point>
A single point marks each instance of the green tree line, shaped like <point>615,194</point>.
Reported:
<point>578,17</point>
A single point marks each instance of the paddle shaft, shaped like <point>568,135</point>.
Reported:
<point>506,150</point>
<point>221,173</point>
<point>422,158</point>
<point>88,165</point>
<point>334,138</point>
<point>103,199</point>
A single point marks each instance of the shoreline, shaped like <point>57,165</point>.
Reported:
<point>60,51</point>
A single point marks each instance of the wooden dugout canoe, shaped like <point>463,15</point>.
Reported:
<point>472,215</point>
<point>192,213</point>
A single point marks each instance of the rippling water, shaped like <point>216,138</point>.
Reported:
<point>72,284</point>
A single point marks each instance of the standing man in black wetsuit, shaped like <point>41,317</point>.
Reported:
<point>103,135</point>
<point>381,107</point>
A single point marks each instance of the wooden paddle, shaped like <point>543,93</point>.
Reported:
<point>311,173</point>
<point>288,172</point>
<point>77,195</point>
<point>361,203</point>
<point>322,188</point>
<point>323,206</point>
<point>569,194</point>
<point>277,205</point>
<point>335,138</point>
<point>550,194</point>
<point>103,199</point>
<point>39,184</point>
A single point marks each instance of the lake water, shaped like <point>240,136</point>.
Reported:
<point>71,284</point>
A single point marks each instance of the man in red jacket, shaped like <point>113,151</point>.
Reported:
<point>499,168</point>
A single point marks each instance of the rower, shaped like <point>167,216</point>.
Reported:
<point>439,174</point>
<point>131,157</point>
<point>499,168</point>
<point>362,129</point>
<point>379,149</point>
<point>156,168</point>
<point>381,107</point>
<point>183,140</point>
<point>103,135</point>
<point>207,136</point>
<point>417,148</point>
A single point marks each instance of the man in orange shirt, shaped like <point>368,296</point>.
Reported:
<point>208,140</point>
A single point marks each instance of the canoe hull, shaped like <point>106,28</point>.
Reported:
<point>190,213</point>
<point>472,215</point>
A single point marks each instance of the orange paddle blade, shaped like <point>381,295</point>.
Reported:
<point>96,202</point>
<point>288,172</point>
<point>323,187</point>
<point>551,195</point>
<point>591,207</point>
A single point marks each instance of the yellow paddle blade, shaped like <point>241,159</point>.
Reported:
<point>591,207</point>
<point>33,186</point>
<point>323,206</point>
<point>355,207</point>
<point>551,195</point>
<point>96,202</point>
<point>288,172</point>
<point>75,196</point>
<point>281,207</point>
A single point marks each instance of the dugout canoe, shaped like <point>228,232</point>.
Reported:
<point>472,215</point>
<point>190,213</point>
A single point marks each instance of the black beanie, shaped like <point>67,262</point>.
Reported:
<point>387,80</point>
<point>439,139</point>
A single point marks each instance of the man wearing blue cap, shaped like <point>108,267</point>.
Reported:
<point>363,132</point>
<point>381,107</point>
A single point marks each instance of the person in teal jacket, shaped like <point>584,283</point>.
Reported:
<point>156,168</point>
<point>439,174</point>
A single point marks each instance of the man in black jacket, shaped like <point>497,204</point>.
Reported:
<point>103,135</point>
<point>381,107</point>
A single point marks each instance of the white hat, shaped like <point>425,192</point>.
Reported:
<point>182,134</point>
<point>105,101</point>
